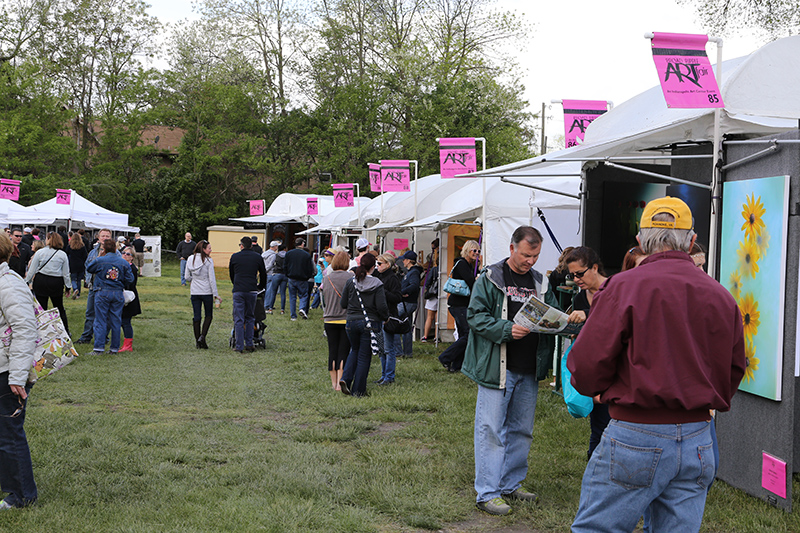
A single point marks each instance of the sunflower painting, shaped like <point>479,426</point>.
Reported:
<point>753,269</point>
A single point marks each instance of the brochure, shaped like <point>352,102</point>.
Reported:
<point>539,317</point>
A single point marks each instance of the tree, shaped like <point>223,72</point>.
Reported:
<point>775,18</point>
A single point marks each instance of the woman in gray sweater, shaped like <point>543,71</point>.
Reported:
<point>335,316</point>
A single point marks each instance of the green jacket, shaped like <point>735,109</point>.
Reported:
<point>490,329</point>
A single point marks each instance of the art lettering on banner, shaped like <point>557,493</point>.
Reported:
<point>755,213</point>
<point>457,156</point>
<point>63,196</point>
<point>256,207</point>
<point>374,177</point>
<point>395,175</point>
<point>9,189</point>
<point>578,114</point>
<point>312,206</point>
<point>343,195</point>
<point>685,72</point>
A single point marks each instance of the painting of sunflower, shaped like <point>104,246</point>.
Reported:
<point>752,266</point>
<point>753,212</point>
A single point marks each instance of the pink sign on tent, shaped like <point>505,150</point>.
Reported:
<point>312,207</point>
<point>457,156</point>
<point>773,474</point>
<point>63,196</point>
<point>256,207</point>
<point>9,189</point>
<point>374,177</point>
<point>343,195</point>
<point>684,71</point>
<point>400,244</point>
<point>578,114</point>
<point>395,175</point>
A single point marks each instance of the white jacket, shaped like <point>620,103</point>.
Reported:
<point>201,275</point>
<point>16,314</point>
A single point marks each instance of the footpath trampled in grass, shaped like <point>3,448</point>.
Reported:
<point>171,438</point>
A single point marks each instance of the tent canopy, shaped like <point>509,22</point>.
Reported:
<point>290,207</point>
<point>80,210</point>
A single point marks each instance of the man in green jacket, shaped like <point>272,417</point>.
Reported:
<point>506,361</point>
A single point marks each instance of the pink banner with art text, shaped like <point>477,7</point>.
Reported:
<point>457,156</point>
<point>9,189</point>
<point>343,195</point>
<point>578,114</point>
<point>685,72</point>
<point>395,175</point>
<point>374,177</point>
<point>256,207</point>
<point>312,207</point>
<point>63,196</point>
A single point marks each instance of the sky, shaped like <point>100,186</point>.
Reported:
<point>580,49</point>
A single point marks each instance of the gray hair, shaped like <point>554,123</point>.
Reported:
<point>654,240</point>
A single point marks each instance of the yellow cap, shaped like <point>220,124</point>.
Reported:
<point>673,206</point>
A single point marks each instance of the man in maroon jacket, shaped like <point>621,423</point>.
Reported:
<point>663,346</point>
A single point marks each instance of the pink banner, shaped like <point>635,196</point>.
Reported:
<point>9,189</point>
<point>63,196</point>
<point>457,156</point>
<point>400,244</point>
<point>684,71</point>
<point>256,207</point>
<point>374,177</point>
<point>773,474</point>
<point>312,207</point>
<point>343,195</point>
<point>578,114</point>
<point>396,175</point>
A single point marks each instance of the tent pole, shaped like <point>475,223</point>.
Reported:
<point>483,207</point>
<point>715,173</point>
<point>416,186</point>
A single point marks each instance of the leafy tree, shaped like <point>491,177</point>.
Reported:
<point>775,18</point>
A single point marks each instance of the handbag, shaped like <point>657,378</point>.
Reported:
<point>458,287</point>
<point>578,405</point>
<point>375,340</point>
<point>128,296</point>
<point>398,326</point>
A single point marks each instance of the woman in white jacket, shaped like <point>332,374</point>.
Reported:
<point>203,288</point>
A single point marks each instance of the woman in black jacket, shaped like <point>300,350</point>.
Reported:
<point>77,253</point>
<point>464,268</point>
<point>133,308</point>
<point>391,341</point>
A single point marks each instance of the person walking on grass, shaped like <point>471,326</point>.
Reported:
<point>660,359</point>
<point>49,275</point>
<point>88,325</point>
<point>269,256</point>
<point>183,251</point>
<point>335,316</point>
<point>77,254</point>
<point>134,307</point>
<point>409,288</point>
<point>464,268</point>
<point>507,361</point>
<point>203,289</point>
<point>386,272</point>
<point>111,274</point>
<point>298,267</point>
<point>248,277</point>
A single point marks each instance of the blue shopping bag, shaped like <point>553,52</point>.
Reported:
<point>578,405</point>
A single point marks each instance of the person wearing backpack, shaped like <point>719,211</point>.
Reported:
<point>278,282</point>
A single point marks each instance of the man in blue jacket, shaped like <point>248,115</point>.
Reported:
<point>248,276</point>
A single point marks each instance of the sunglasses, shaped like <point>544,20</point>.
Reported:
<point>19,410</point>
<point>379,262</point>
<point>126,253</point>
<point>579,275</point>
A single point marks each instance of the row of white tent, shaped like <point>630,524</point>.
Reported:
<point>80,210</point>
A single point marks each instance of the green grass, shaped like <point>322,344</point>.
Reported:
<point>170,438</point>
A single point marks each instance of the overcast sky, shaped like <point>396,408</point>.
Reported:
<point>579,49</point>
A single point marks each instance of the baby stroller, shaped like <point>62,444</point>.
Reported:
<point>259,328</point>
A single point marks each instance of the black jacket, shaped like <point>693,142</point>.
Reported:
<point>247,271</point>
<point>373,296</point>
<point>462,270</point>
<point>411,284</point>
<point>391,287</point>
<point>298,265</point>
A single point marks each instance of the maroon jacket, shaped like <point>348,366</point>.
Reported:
<point>663,345</point>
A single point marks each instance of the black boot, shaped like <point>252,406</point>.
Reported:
<point>204,336</point>
<point>197,336</point>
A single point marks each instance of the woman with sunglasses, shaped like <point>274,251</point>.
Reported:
<point>586,269</point>
<point>387,273</point>
<point>464,268</point>
<point>133,308</point>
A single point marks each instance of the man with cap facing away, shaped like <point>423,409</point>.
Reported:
<point>298,267</point>
<point>269,257</point>
<point>362,247</point>
<point>662,347</point>
<point>256,248</point>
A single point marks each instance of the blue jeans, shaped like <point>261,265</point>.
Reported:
<point>406,343</point>
<point>503,435</point>
<point>356,369</point>
<point>108,314</point>
<point>297,288</point>
<point>127,327</point>
<point>88,325</point>
<point>16,469</point>
<point>391,345</point>
<point>268,290</point>
<point>244,318</point>
<point>277,286</point>
<point>663,468</point>
<point>183,271</point>
<point>317,299</point>
<point>77,281</point>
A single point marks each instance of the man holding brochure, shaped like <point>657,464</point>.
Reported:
<point>506,360</point>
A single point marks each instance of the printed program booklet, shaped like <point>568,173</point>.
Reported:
<point>539,317</point>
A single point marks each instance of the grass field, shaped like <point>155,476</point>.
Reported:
<point>170,438</point>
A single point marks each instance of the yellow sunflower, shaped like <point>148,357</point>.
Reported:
<point>753,213</point>
<point>748,258</point>
<point>736,285</point>
<point>750,315</point>
<point>750,361</point>
<point>762,243</point>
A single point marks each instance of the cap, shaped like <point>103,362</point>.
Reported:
<point>26,229</point>
<point>120,239</point>
<point>672,206</point>
<point>361,243</point>
<point>254,238</point>
<point>274,244</point>
<point>410,255</point>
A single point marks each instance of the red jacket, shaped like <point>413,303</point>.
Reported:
<point>663,345</point>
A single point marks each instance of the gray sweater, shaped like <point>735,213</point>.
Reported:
<point>332,291</point>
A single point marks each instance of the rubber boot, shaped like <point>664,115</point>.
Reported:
<point>127,345</point>
<point>196,324</point>
<point>204,336</point>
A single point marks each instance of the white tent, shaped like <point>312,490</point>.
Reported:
<point>5,205</point>
<point>79,209</point>
<point>290,207</point>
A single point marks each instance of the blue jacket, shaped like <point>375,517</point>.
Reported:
<point>112,273</point>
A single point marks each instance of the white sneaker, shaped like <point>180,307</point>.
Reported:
<point>303,314</point>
